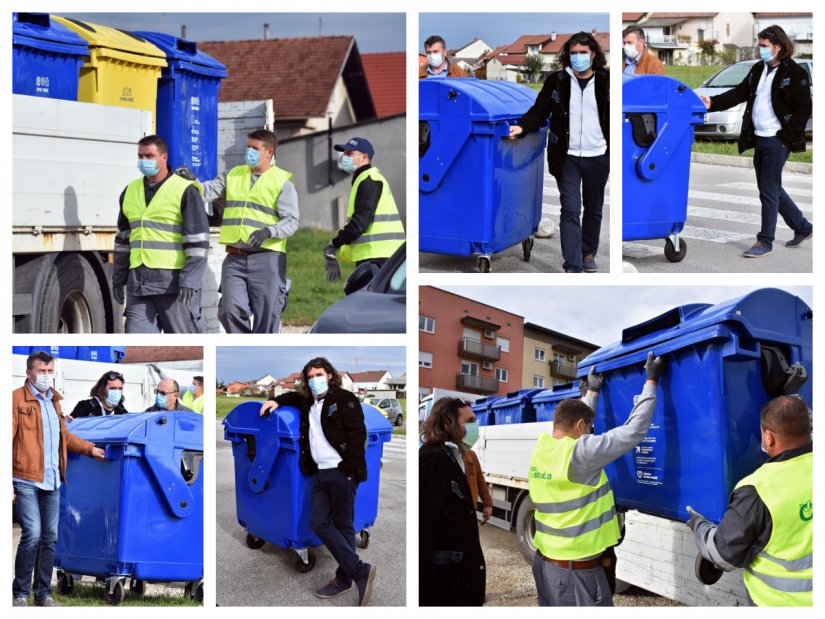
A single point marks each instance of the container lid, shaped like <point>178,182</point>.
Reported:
<point>766,314</point>
<point>38,31</point>
<point>484,403</point>
<point>103,38</point>
<point>480,99</point>
<point>184,52</point>
<point>515,397</point>
<point>651,93</point>
<point>375,421</point>
<point>143,428</point>
<point>557,393</point>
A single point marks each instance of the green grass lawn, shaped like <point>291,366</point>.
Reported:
<point>311,293</point>
<point>88,594</point>
<point>692,76</point>
<point>722,147</point>
<point>225,404</point>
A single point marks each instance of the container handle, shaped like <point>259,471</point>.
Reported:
<point>261,467</point>
<point>166,472</point>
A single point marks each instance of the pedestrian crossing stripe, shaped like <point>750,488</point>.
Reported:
<point>734,199</point>
<point>796,191</point>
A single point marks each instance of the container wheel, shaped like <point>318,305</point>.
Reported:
<point>254,542</point>
<point>483,264</point>
<point>117,593</point>
<point>526,528</point>
<point>65,583</point>
<point>199,592</point>
<point>527,248</point>
<point>302,567</point>
<point>670,251</point>
<point>137,586</point>
<point>363,539</point>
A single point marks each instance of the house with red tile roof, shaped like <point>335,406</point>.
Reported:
<point>548,46</point>
<point>386,77</point>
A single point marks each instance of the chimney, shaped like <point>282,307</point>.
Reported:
<point>593,32</point>
<point>183,31</point>
<point>266,32</point>
<point>553,36</point>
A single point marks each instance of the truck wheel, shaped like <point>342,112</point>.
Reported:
<point>72,301</point>
<point>526,528</point>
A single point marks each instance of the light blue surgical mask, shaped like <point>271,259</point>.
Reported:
<point>253,157</point>
<point>148,167</point>
<point>766,55</point>
<point>471,434</point>
<point>161,400</point>
<point>318,385</point>
<point>348,165</point>
<point>192,389</point>
<point>114,396</point>
<point>580,62</point>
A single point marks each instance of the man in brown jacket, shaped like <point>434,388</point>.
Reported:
<point>637,60</point>
<point>40,442</point>
<point>437,64</point>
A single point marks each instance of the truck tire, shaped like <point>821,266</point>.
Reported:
<point>72,301</point>
<point>526,528</point>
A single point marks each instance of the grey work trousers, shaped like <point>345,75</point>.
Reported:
<point>162,313</point>
<point>558,586</point>
<point>253,286</point>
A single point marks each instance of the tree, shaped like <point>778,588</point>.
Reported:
<point>533,65</point>
<point>708,47</point>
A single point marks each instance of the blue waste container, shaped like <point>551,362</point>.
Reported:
<point>102,354</point>
<point>484,414</point>
<point>61,352</point>
<point>724,362</point>
<point>273,497</point>
<point>658,119</point>
<point>187,106</point>
<point>139,514</point>
<point>46,58</point>
<point>545,402</point>
<point>515,407</point>
<point>478,193</point>
<point>20,350</point>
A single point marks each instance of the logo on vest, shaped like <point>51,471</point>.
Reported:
<point>537,474</point>
<point>806,511</point>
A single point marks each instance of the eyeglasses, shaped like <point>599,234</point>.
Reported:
<point>114,376</point>
<point>159,392</point>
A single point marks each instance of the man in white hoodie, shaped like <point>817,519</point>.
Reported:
<point>577,102</point>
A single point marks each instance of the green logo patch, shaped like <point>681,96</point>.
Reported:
<point>537,474</point>
<point>806,511</point>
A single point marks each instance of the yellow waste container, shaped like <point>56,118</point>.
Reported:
<point>121,69</point>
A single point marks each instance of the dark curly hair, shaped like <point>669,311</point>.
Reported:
<point>100,385</point>
<point>318,362</point>
<point>583,38</point>
<point>777,36</point>
<point>442,423</point>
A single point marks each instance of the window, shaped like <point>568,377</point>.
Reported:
<point>468,367</point>
<point>502,375</point>
<point>538,382</point>
<point>504,343</point>
<point>425,359</point>
<point>472,334</point>
<point>539,354</point>
<point>426,324</point>
<point>558,358</point>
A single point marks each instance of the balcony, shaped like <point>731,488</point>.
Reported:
<point>473,382</point>
<point>668,41</point>
<point>563,370</point>
<point>468,347</point>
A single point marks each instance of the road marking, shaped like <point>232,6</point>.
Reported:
<point>725,198</point>
<point>751,219</point>
<point>714,236</point>
<point>796,191</point>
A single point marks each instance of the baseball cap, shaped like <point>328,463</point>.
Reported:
<point>359,144</point>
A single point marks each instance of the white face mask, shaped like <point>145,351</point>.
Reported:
<point>435,60</point>
<point>630,51</point>
<point>43,381</point>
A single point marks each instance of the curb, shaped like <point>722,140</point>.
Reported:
<point>796,167</point>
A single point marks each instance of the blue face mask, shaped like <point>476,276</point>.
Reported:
<point>148,167</point>
<point>161,400</point>
<point>113,397</point>
<point>348,165</point>
<point>580,62</point>
<point>318,385</point>
<point>766,55</point>
<point>253,157</point>
<point>191,388</point>
<point>471,434</point>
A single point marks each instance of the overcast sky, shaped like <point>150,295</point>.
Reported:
<point>504,28</point>
<point>598,314</point>
<point>244,363</point>
<point>374,32</point>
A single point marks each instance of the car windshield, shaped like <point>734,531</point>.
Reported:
<point>729,76</point>
<point>398,281</point>
<point>374,401</point>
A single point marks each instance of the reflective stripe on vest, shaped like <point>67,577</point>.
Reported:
<point>386,232</point>
<point>155,230</point>
<point>573,521</point>
<point>782,574</point>
<point>251,208</point>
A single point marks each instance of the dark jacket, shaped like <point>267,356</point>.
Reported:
<point>790,98</point>
<point>92,408</point>
<point>366,203</point>
<point>553,103</point>
<point>451,568</point>
<point>342,421</point>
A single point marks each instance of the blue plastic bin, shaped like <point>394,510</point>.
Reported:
<point>46,58</point>
<point>478,192</point>
<point>725,362</point>
<point>102,354</point>
<point>515,407</point>
<point>139,514</point>
<point>481,408</point>
<point>659,116</point>
<point>62,352</point>
<point>187,106</point>
<point>273,497</point>
<point>545,402</point>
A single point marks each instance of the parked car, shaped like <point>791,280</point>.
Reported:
<point>727,124</point>
<point>391,409</point>
<point>378,305</point>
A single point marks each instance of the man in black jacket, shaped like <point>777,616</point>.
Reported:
<point>333,447</point>
<point>777,94</point>
<point>577,102</point>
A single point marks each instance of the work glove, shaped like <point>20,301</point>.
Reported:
<point>186,173</point>
<point>654,367</point>
<point>331,264</point>
<point>119,293</point>
<point>259,236</point>
<point>695,518</point>
<point>797,376</point>
<point>185,295</point>
<point>594,381</point>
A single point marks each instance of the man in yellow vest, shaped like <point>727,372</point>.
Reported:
<point>768,526</point>
<point>374,229</point>
<point>193,396</point>
<point>261,212</point>
<point>160,248</point>
<point>575,513</point>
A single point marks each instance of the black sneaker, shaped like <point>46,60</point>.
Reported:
<point>798,239</point>
<point>364,584</point>
<point>46,601</point>
<point>759,249</point>
<point>333,589</point>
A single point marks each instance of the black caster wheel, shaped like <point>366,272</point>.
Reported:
<point>254,542</point>
<point>65,583</point>
<point>363,539</point>
<point>117,594</point>
<point>302,567</point>
<point>483,264</point>
<point>527,248</point>
<point>137,586</point>
<point>199,593</point>
<point>194,590</point>
<point>670,251</point>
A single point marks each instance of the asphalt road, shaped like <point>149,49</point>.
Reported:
<point>723,218</point>
<point>546,256</point>
<point>266,577</point>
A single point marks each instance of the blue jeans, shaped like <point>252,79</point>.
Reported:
<point>769,158</point>
<point>582,179</point>
<point>38,512</point>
